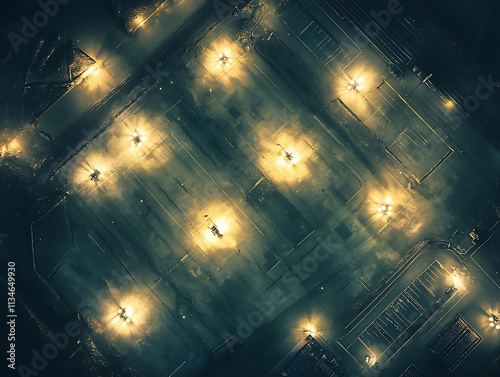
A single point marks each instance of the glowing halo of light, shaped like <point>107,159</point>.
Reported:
<point>92,71</point>
<point>287,158</point>
<point>385,209</point>
<point>94,175</point>
<point>354,84</point>
<point>224,59</point>
<point>137,138</point>
<point>494,321</point>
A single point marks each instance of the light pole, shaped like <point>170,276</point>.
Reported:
<point>214,229</point>
<point>385,209</point>
<point>123,316</point>
<point>494,322</point>
<point>288,156</point>
<point>224,60</point>
<point>94,175</point>
<point>353,85</point>
<point>137,139</point>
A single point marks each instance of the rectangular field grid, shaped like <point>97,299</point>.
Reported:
<point>335,54</point>
<point>420,152</point>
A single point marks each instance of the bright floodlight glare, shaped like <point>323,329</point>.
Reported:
<point>385,209</point>
<point>213,228</point>
<point>137,139</point>
<point>139,20</point>
<point>225,60</point>
<point>94,175</point>
<point>495,321</point>
<point>123,316</point>
<point>91,71</point>
<point>288,157</point>
<point>353,85</point>
<point>215,231</point>
<point>310,330</point>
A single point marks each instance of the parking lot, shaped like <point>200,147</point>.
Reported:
<point>219,188</point>
<point>404,316</point>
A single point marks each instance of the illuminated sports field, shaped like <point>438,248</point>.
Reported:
<point>231,185</point>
